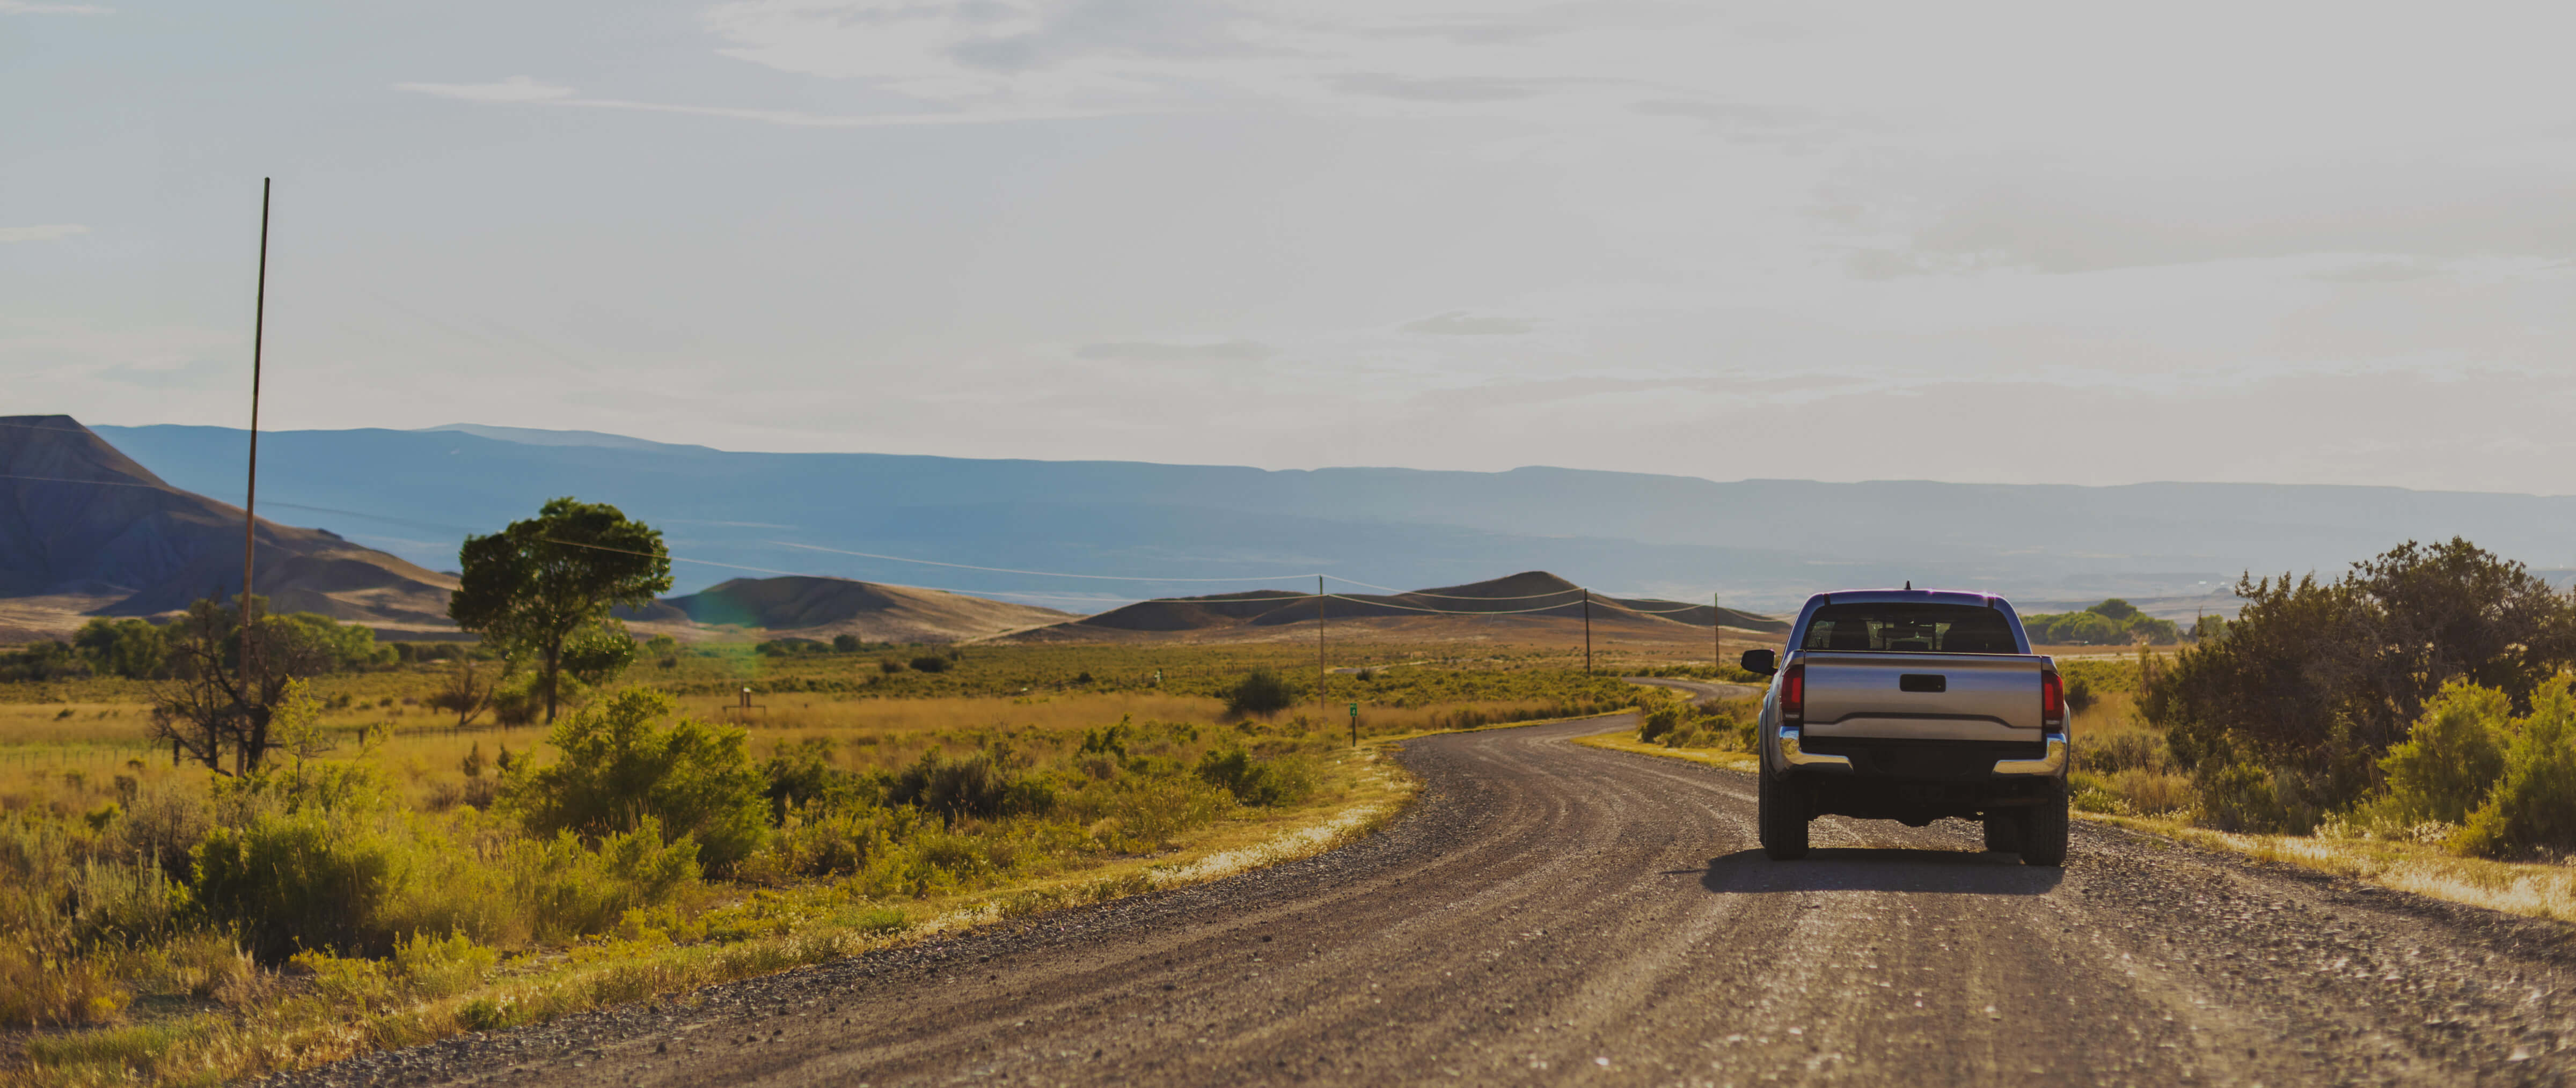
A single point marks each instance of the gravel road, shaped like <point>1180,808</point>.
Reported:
<point>1552,913</point>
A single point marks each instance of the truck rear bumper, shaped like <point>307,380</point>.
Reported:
<point>1921,760</point>
<point>1917,781</point>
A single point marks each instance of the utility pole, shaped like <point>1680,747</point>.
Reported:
<point>1716,633</point>
<point>1587,632</point>
<point>250,491</point>
<point>1320,716</point>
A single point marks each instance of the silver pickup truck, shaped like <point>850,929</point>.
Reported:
<point>1913,705</point>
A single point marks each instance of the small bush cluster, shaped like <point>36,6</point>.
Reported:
<point>1262,692</point>
<point>2482,779</point>
<point>1727,725</point>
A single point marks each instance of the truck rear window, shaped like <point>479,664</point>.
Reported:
<point>1897,627</point>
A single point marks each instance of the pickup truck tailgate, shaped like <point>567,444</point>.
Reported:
<point>1924,696</point>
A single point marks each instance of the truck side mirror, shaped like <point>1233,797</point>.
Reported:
<point>1761,661</point>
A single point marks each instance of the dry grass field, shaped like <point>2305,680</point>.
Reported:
<point>165,924</point>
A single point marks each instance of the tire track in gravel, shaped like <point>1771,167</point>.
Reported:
<point>1550,910</point>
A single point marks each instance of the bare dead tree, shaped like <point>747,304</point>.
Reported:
<point>221,702</point>
<point>467,694</point>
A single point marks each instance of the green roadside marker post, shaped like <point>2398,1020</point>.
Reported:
<point>1355,725</point>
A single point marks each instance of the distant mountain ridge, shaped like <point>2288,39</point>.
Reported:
<point>83,524</point>
<point>1762,545</point>
<point>1526,599</point>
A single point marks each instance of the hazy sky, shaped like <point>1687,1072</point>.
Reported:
<point>2329,242</point>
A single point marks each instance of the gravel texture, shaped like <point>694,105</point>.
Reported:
<point>1550,911</point>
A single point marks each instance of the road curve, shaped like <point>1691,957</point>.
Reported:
<point>1551,912</point>
<point>1700,691</point>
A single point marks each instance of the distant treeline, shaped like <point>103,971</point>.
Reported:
<point>2114,622</point>
<point>139,649</point>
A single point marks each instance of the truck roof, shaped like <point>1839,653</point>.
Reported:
<point>1939,596</point>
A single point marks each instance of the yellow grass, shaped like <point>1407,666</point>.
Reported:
<point>812,924</point>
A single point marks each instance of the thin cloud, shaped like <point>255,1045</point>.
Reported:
<point>2381,272</point>
<point>15,7</point>
<point>1140,351</point>
<point>1449,89</point>
<point>2410,213</point>
<point>1462,323</point>
<point>523,90</point>
<point>45,233</point>
<point>513,89</point>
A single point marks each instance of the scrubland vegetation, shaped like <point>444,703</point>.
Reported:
<point>2410,722</point>
<point>388,876</point>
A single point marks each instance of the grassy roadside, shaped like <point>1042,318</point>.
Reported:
<point>353,1006</point>
<point>1628,742</point>
<point>2528,889</point>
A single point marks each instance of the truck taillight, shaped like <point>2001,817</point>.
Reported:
<point>2052,700</point>
<point>1793,695</point>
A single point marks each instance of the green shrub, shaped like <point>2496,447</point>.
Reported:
<point>2532,807</point>
<point>116,903</point>
<point>2150,792</point>
<point>568,890</point>
<point>1261,692</point>
<point>1147,812</point>
<point>290,882</point>
<point>299,786</point>
<point>1728,725</point>
<point>1661,721</point>
<point>802,774</point>
<point>985,784</point>
<point>620,771</point>
<point>816,840</point>
<point>2079,694</point>
<point>2112,751</point>
<point>2245,797</point>
<point>2450,760</point>
<point>1258,782</point>
<point>930,663</point>
<point>57,990</point>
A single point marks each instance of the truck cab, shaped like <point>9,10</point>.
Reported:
<point>1913,705</point>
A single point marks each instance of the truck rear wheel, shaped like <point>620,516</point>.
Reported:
<point>2043,831</point>
<point>1780,811</point>
<point>2003,832</point>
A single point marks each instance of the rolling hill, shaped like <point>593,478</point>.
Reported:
<point>826,607</point>
<point>85,530</point>
<point>1532,606</point>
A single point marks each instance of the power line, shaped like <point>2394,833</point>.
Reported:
<point>1450,611</point>
<point>100,483</point>
<point>1457,596</point>
<point>1040,573</point>
<point>37,427</point>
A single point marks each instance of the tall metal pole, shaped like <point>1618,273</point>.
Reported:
<point>1587,632</point>
<point>1321,716</point>
<point>1716,633</point>
<point>250,491</point>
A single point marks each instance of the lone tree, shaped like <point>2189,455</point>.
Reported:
<point>533,587</point>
